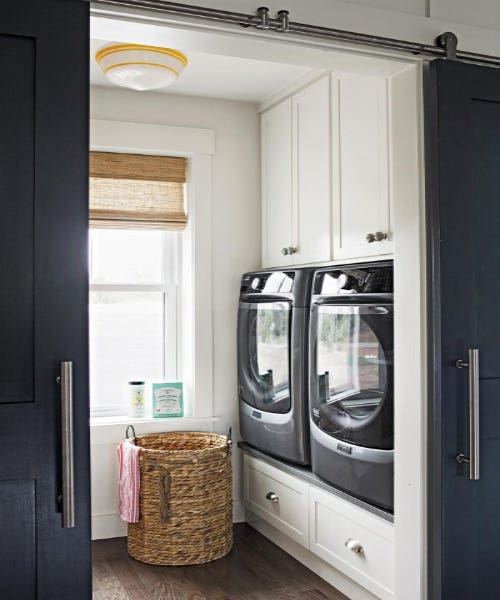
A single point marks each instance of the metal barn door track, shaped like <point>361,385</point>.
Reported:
<point>445,46</point>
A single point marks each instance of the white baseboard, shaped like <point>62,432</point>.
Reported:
<point>110,526</point>
<point>238,512</point>
<point>334,577</point>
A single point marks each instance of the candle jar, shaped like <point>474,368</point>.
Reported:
<point>136,404</point>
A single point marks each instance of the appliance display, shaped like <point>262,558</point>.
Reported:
<point>351,380</point>
<point>273,320</point>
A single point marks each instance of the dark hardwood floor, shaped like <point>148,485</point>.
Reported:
<point>255,569</point>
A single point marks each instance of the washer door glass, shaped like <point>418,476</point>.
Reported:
<point>354,363</point>
<point>264,362</point>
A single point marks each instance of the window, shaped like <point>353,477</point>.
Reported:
<point>133,313</point>
<point>137,216</point>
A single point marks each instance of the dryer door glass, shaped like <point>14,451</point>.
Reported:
<point>354,361</point>
<point>264,361</point>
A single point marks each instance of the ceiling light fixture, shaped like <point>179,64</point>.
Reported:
<point>140,67</point>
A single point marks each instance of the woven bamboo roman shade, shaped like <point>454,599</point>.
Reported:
<point>137,191</point>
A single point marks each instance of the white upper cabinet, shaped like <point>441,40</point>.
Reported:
<point>296,189</point>
<point>326,173</point>
<point>311,173</point>
<point>361,197</point>
<point>277,199</point>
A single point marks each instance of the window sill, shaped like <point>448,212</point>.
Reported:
<point>111,430</point>
<point>126,420</point>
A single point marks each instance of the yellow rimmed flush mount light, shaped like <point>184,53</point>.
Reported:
<point>140,67</point>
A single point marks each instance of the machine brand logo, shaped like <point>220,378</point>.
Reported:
<point>344,448</point>
<point>256,414</point>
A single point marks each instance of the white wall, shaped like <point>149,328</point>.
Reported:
<point>235,249</point>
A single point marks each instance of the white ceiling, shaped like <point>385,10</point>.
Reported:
<point>216,76</point>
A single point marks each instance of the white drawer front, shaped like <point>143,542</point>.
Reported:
<point>334,523</point>
<point>288,511</point>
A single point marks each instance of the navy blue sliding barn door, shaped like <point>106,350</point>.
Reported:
<point>463,133</point>
<point>43,296</point>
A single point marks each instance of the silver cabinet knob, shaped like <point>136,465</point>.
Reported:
<point>292,250</point>
<point>354,546</point>
<point>380,235</point>
<point>370,237</point>
<point>285,251</point>
<point>272,497</point>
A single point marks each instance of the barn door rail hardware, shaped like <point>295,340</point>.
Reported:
<point>445,45</point>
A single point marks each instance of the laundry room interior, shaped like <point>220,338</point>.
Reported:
<point>249,312</point>
<point>303,235</point>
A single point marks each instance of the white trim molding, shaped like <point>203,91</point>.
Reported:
<point>195,349</point>
<point>410,340</point>
<point>145,138</point>
<point>197,315</point>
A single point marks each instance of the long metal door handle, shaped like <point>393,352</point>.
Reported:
<point>473,459</point>
<point>68,467</point>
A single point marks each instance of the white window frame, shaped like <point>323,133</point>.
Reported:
<point>171,264</point>
<point>194,291</point>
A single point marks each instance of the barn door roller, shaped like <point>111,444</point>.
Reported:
<point>445,45</point>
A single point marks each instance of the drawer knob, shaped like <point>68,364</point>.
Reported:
<point>380,235</point>
<point>354,546</point>
<point>370,238</point>
<point>292,250</point>
<point>272,497</point>
<point>285,251</point>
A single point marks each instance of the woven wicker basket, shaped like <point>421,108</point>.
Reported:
<point>185,499</point>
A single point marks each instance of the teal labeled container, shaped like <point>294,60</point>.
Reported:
<point>168,400</point>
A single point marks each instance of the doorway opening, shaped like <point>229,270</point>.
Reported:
<point>163,303</point>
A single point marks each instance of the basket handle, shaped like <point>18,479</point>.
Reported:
<point>164,488</point>
<point>133,431</point>
<point>229,439</point>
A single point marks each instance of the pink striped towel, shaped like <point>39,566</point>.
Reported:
<point>129,481</point>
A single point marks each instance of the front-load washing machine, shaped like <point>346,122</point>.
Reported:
<point>273,320</point>
<point>351,380</point>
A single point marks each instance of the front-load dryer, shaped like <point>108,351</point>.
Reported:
<point>351,380</point>
<point>273,320</point>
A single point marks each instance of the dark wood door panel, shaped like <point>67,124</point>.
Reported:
<point>17,515</point>
<point>17,193</point>
<point>463,117</point>
<point>484,227</point>
<point>43,294</point>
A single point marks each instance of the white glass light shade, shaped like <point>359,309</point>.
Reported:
<point>140,67</point>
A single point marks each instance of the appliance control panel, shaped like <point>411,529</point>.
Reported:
<point>268,282</point>
<point>355,279</point>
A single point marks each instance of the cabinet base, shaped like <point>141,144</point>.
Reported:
<point>334,577</point>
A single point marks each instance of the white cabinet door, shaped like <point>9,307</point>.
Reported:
<point>280,499</point>
<point>276,145</point>
<point>358,544</point>
<point>311,173</point>
<point>361,195</point>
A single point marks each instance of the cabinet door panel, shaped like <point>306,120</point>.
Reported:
<point>334,523</point>
<point>288,512</point>
<point>311,173</point>
<point>361,165</point>
<point>276,140</point>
